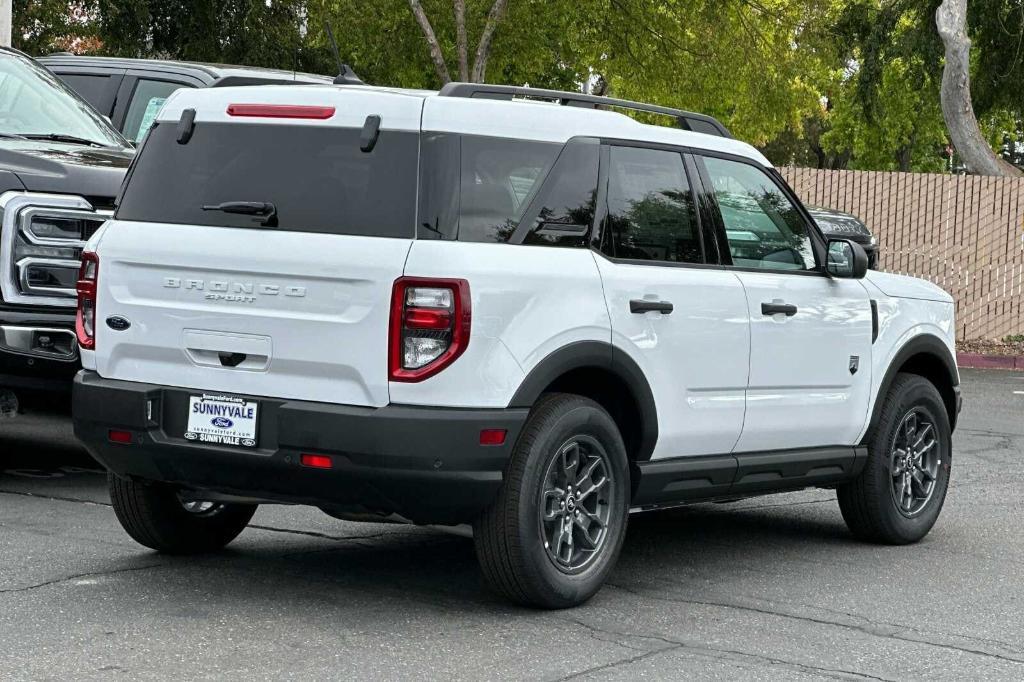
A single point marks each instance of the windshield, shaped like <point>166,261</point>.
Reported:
<point>33,102</point>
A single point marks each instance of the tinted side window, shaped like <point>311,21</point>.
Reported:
<point>763,227</point>
<point>95,89</point>
<point>316,177</point>
<point>499,179</point>
<point>477,189</point>
<point>564,209</point>
<point>651,213</point>
<point>146,101</point>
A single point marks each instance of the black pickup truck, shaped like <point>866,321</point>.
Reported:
<point>61,163</point>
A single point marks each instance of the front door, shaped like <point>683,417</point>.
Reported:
<point>811,335</point>
<point>681,319</point>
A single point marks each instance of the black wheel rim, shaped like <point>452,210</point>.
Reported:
<point>575,504</point>
<point>914,461</point>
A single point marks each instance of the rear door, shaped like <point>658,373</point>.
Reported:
<point>810,334</point>
<point>292,303</point>
<point>680,316</point>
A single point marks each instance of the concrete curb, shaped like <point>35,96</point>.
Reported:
<point>976,361</point>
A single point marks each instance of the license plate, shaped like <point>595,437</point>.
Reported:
<point>222,419</point>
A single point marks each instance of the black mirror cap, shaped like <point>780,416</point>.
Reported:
<point>859,257</point>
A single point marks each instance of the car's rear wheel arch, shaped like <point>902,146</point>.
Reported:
<point>926,356</point>
<point>607,376</point>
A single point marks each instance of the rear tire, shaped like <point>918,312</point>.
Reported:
<point>155,516</point>
<point>554,532</point>
<point>899,494</point>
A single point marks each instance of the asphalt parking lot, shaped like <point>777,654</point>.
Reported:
<point>769,588</point>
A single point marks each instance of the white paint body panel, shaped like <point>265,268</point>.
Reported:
<point>801,391</point>
<point>528,301</point>
<point>695,359</point>
<point>328,344</point>
<point>900,320</point>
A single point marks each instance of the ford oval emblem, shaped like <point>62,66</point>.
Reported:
<point>222,422</point>
<point>118,323</point>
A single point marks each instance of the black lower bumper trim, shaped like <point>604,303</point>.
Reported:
<point>425,464</point>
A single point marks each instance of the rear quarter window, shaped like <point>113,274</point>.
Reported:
<point>317,178</point>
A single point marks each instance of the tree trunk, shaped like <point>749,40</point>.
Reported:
<point>483,49</point>
<point>460,39</point>
<point>957,110</point>
<point>435,47</point>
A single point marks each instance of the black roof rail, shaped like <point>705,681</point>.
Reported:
<point>687,120</point>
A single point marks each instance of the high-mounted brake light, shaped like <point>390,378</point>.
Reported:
<point>280,111</point>
<point>85,317</point>
<point>430,322</point>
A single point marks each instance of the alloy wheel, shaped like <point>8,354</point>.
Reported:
<point>576,503</point>
<point>914,462</point>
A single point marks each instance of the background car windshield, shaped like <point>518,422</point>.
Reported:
<point>34,102</point>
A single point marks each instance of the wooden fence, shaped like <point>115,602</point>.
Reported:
<point>964,233</point>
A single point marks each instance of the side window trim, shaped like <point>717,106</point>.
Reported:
<point>601,213</point>
<point>535,201</point>
<point>706,214</point>
<point>813,233</point>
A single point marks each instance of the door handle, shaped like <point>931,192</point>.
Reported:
<point>776,307</point>
<point>640,306</point>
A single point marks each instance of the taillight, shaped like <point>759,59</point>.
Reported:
<point>430,321</point>
<point>85,319</point>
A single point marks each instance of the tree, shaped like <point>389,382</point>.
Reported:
<point>957,107</point>
<point>483,49</point>
<point>44,26</point>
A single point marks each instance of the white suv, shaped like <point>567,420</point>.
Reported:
<point>513,308</point>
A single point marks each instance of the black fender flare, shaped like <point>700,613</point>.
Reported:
<point>581,354</point>
<point>923,344</point>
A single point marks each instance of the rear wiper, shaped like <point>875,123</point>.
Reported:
<point>61,137</point>
<point>258,209</point>
<point>12,136</point>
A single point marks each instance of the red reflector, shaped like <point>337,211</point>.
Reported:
<point>118,436</point>
<point>316,461</point>
<point>426,318</point>
<point>280,111</point>
<point>492,436</point>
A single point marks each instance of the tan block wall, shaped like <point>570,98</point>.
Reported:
<point>965,233</point>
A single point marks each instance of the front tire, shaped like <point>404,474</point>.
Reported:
<point>155,515</point>
<point>899,494</point>
<point>555,530</point>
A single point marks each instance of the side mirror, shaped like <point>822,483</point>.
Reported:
<point>846,259</point>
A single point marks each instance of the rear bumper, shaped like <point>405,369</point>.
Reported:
<point>425,464</point>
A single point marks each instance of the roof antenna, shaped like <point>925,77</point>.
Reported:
<point>346,76</point>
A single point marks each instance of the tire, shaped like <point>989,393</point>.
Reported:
<point>517,547</point>
<point>154,515</point>
<point>875,505</point>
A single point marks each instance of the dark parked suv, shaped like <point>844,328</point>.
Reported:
<point>130,91</point>
<point>844,225</point>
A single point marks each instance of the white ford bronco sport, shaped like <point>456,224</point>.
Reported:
<point>512,308</point>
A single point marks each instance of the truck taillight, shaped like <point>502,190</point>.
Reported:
<point>430,321</point>
<point>85,319</point>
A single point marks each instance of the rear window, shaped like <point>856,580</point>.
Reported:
<point>317,178</point>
